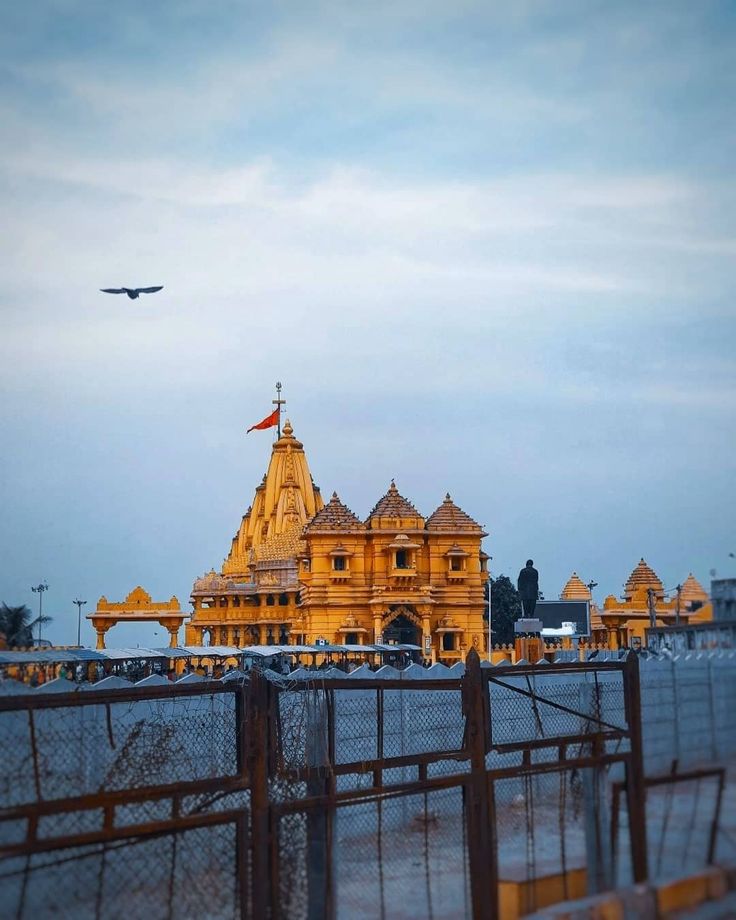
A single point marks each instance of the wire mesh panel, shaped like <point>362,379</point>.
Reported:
<point>541,833</point>
<point>180,875</point>
<point>65,751</point>
<point>398,857</point>
<point>126,805</point>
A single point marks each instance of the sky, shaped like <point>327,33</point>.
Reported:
<point>488,248</point>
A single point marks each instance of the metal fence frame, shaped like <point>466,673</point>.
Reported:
<point>263,768</point>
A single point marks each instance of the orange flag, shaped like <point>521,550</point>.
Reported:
<point>270,421</point>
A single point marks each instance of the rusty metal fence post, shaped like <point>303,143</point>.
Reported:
<point>479,804</point>
<point>636,802</point>
<point>257,707</point>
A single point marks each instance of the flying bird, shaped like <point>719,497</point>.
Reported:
<point>133,293</point>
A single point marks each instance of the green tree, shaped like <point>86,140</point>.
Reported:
<point>17,626</point>
<point>505,609</point>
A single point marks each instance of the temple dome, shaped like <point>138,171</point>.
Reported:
<point>451,518</point>
<point>642,578</point>
<point>334,516</point>
<point>692,592</point>
<point>393,505</point>
<point>575,589</point>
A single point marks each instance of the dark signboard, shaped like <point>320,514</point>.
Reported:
<point>554,613</point>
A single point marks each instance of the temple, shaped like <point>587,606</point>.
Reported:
<point>300,571</point>
<point>622,622</point>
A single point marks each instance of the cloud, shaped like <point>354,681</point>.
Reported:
<point>486,247</point>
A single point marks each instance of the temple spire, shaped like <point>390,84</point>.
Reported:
<point>278,402</point>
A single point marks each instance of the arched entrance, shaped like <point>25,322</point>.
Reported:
<point>402,627</point>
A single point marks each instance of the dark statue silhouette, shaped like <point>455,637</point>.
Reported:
<point>528,585</point>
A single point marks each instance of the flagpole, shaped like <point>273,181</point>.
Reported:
<point>278,402</point>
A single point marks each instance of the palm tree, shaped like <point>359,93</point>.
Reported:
<point>17,626</point>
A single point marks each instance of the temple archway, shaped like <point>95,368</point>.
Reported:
<point>402,626</point>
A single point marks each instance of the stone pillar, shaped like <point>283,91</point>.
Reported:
<point>101,636</point>
<point>173,636</point>
<point>613,637</point>
<point>426,634</point>
<point>377,628</point>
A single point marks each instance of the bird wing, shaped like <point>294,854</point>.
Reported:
<point>150,290</point>
<point>113,290</point>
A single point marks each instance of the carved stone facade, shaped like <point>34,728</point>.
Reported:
<point>299,570</point>
<point>395,577</point>
<point>137,608</point>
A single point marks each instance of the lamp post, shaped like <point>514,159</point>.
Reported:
<point>490,631</point>
<point>39,589</point>
<point>79,604</point>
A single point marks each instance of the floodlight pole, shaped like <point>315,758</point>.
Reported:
<point>490,591</point>
<point>79,604</point>
<point>39,589</point>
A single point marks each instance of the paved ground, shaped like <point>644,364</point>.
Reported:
<point>725,909</point>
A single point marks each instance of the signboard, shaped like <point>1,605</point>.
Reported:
<point>554,613</point>
<point>427,645</point>
<point>321,641</point>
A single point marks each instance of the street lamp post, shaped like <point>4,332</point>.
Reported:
<point>39,589</point>
<point>490,608</point>
<point>79,604</point>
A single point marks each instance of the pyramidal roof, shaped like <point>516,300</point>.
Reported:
<point>692,590</point>
<point>394,505</point>
<point>643,576</point>
<point>449,517</point>
<point>575,589</point>
<point>334,516</point>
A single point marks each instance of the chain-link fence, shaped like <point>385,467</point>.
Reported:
<point>127,804</point>
<point>357,797</point>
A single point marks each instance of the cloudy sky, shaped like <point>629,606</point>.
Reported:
<point>487,247</point>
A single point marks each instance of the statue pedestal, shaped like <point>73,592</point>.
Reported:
<point>528,643</point>
<point>531,648</point>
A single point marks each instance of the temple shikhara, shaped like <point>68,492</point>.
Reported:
<point>301,571</point>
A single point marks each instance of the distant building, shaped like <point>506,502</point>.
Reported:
<point>723,595</point>
<point>622,622</point>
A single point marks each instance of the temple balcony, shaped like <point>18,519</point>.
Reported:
<point>402,574</point>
